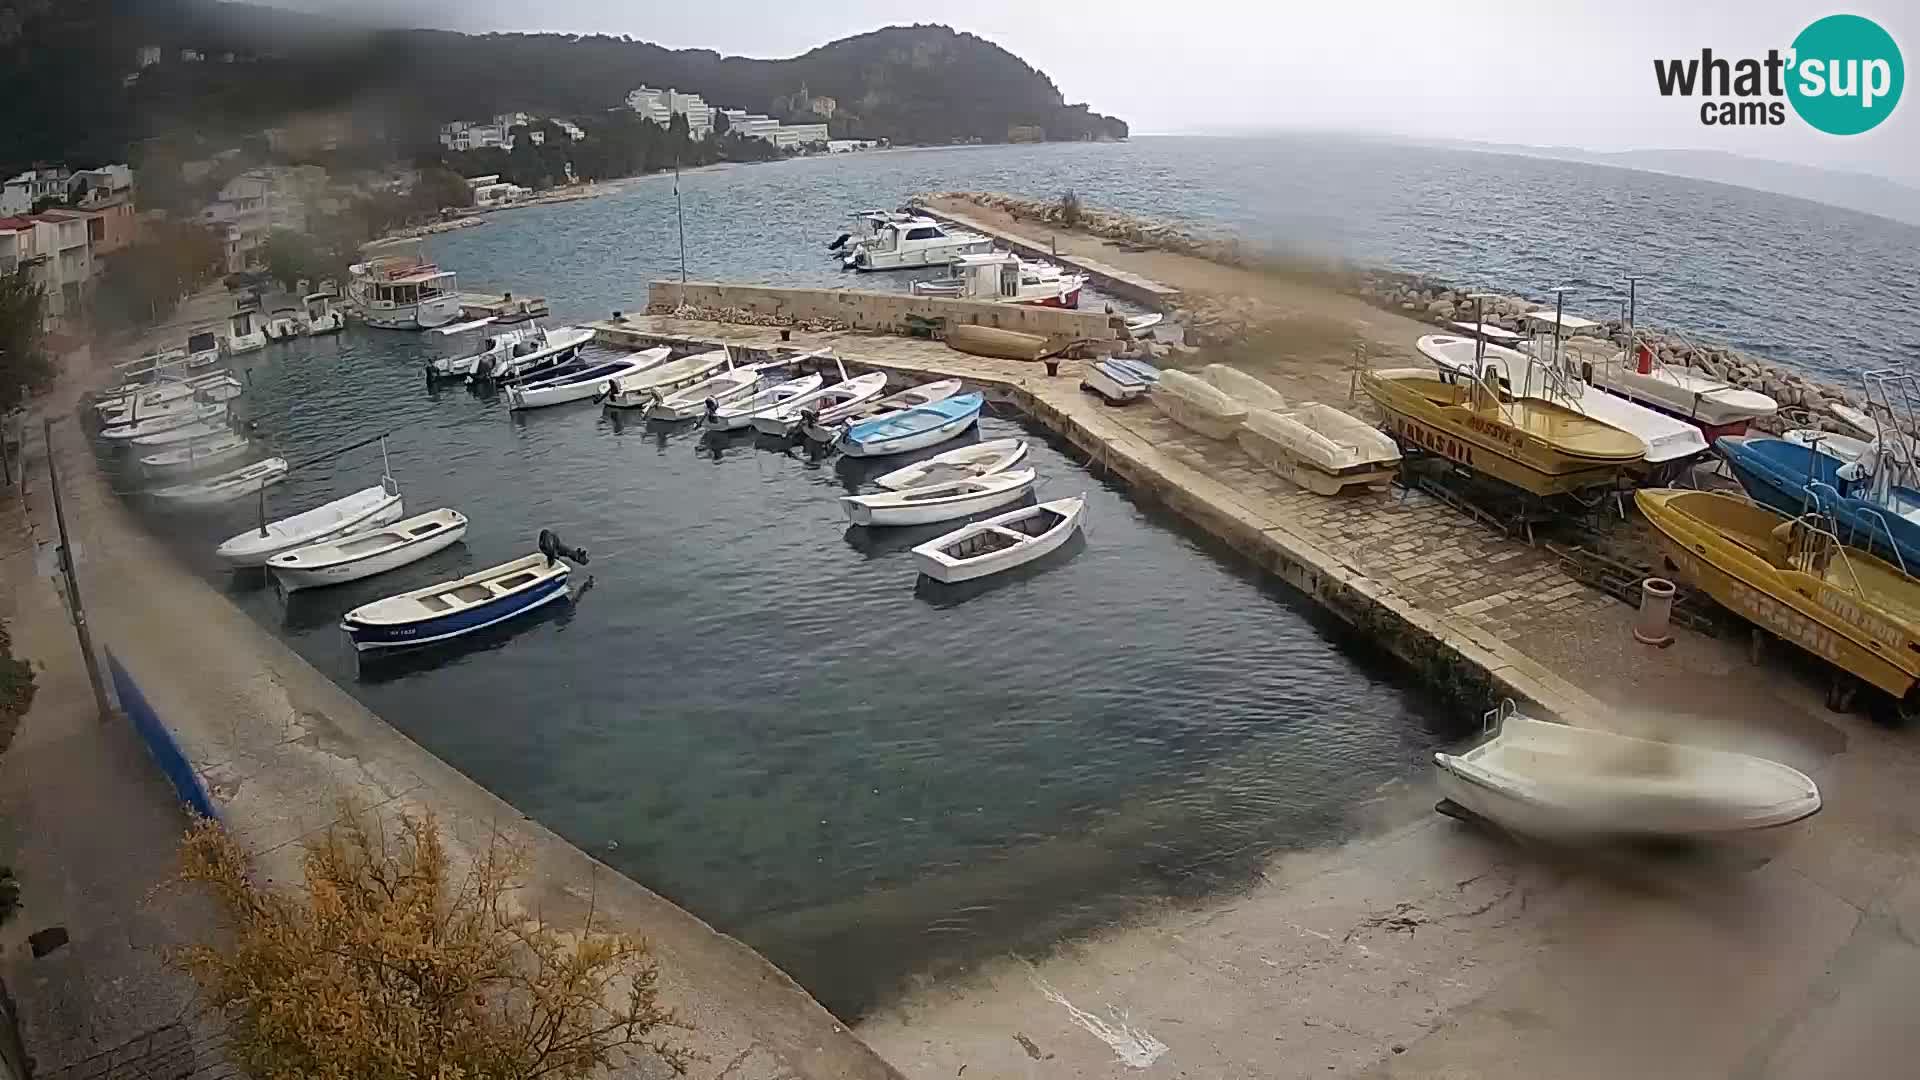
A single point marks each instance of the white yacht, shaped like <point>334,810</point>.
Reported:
<point>244,332</point>
<point>913,243</point>
<point>1006,278</point>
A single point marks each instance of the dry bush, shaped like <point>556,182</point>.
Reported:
<point>378,968</point>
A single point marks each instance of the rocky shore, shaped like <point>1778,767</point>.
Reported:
<point>1214,321</point>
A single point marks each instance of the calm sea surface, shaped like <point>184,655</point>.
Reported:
<point>754,709</point>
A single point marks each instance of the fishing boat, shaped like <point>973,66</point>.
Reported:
<point>167,418</point>
<point>588,382</point>
<point>227,486</point>
<point>997,343</point>
<point>1244,388</point>
<point>475,602</point>
<point>931,503</point>
<point>1715,405</point>
<point>829,424</point>
<point>1120,381</point>
<point>1005,278</point>
<point>1669,441</point>
<point>365,554</point>
<point>1793,577</point>
<point>1000,543</point>
<point>417,297</point>
<point>784,418</point>
<point>1319,447</point>
<point>1535,445</point>
<point>648,387</point>
<point>201,454</point>
<point>364,509</point>
<point>322,316</point>
<point>1198,405</point>
<point>1874,511</point>
<point>542,352</point>
<point>739,412</point>
<point>1563,782</point>
<point>196,432</point>
<point>913,243</point>
<point>283,325</point>
<point>721,388</point>
<point>980,459</point>
<point>244,334</point>
<point>913,429</point>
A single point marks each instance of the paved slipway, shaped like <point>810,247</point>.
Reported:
<point>280,746</point>
<point>1436,950</point>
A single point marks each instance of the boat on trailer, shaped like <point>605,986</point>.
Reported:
<point>928,504</point>
<point>1001,543</point>
<point>365,554</point>
<point>913,429</point>
<point>452,608</point>
<point>980,459</point>
<point>364,509</point>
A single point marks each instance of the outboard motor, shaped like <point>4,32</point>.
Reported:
<point>713,410</point>
<point>554,549</point>
<point>841,242</point>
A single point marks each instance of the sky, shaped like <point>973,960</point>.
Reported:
<point>1562,73</point>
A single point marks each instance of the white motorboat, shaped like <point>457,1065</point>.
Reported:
<point>1668,439</point>
<point>828,424</point>
<point>200,454</point>
<point>125,410</point>
<point>740,412</point>
<point>169,419</point>
<point>913,429</point>
<point>198,432</point>
<point>1714,404</point>
<point>864,225</point>
<point>931,503</point>
<point>784,418</point>
<point>495,348</point>
<point>322,316</point>
<point>203,348</point>
<point>452,608</point>
<point>364,509</point>
<point>1137,324</point>
<point>592,381</point>
<point>1319,447</point>
<point>244,333</point>
<point>980,459</point>
<point>364,554</point>
<point>1120,381</point>
<point>179,405</point>
<point>690,402</point>
<point>913,243</point>
<point>284,325</point>
<point>541,350</point>
<point>648,388</point>
<point>1244,388</point>
<point>1001,543</point>
<point>1554,780</point>
<point>1198,405</point>
<point>227,486</point>
<point>1005,278</point>
<point>398,296</point>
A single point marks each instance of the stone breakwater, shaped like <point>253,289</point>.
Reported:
<point>743,317</point>
<point>1217,321</point>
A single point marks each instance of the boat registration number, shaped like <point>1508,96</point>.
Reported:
<point>1438,442</point>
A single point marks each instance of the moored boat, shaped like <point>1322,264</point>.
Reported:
<point>452,608</point>
<point>589,382</point>
<point>828,424</point>
<point>1000,543</point>
<point>739,412</point>
<point>721,388</point>
<point>782,419</point>
<point>1120,381</point>
<point>169,418</point>
<point>540,353</point>
<point>1005,278</point>
<point>646,389</point>
<point>913,429</point>
<point>931,503</point>
<point>200,454</point>
<point>322,316</point>
<point>363,509</point>
<point>365,554</point>
<point>1319,447</point>
<point>1198,405</point>
<point>227,486</point>
<point>244,333</point>
<point>913,243</point>
<point>283,325</point>
<point>980,459</point>
<point>196,432</point>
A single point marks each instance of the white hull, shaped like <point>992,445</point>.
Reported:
<point>938,563</point>
<point>690,402</point>
<point>329,565</point>
<point>1841,448</point>
<point>649,387</point>
<point>830,424</point>
<point>906,444</point>
<point>786,418</point>
<point>1118,382</point>
<point>1319,447</point>
<point>283,330</point>
<point>554,347</point>
<point>980,459</point>
<point>361,511</point>
<point>1197,405</point>
<point>939,502</point>
<point>1696,396</point>
<point>218,451</point>
<point>741,412</point>
<point>210,429</point>
<point>426,315</point>
<point>331,323</point>
<point>582,386</point>
<point>227,487</point>
<point>245,343</point>
<point>1244,388</point>
<point>173,420</point>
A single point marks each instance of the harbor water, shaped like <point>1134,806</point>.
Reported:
<point>756,709</point>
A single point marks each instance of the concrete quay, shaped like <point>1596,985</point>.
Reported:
<point>1108,277</point>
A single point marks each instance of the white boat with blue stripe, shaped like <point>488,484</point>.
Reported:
<point>914,429</point>
<point>475,602</point>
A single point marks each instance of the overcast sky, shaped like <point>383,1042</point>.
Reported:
<point>1543,73</point>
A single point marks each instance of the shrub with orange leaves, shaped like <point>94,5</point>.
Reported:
<point>379,968</point>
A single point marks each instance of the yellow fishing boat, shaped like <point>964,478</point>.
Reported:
<point>1793,577</point>
<point>1531,443</point>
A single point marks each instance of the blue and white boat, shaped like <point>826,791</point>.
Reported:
<point>1120,381</point>
<point>1870,513</point>
<point>474,602</point>
<point>914,429</point>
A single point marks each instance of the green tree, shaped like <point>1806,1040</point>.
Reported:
<point>23,357</point>
<point>144,284</point>
<point>439,187</point>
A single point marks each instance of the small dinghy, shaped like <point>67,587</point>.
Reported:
<point>994,342</point>
<point>1000,543</point>
<point>914,429</point>
<point>364,509</point>
<point>1319,447</point>
<point>829,423</point>
<point>170,419</point>
<point>1549,779</point>
<point>740,412</point>
<point>647,388</point>
<point>1197,405</point>
<point>200,454</point>
<point>190,433</point>
<point>127,408</point>
<point>542,351</point>
<point>362,555</point>
<point>784,418</point>
<point>475,602</point>
<point>1139,323</point>
<point>583,384</point>
<point>980,459</point>
<point>690,402</point>
<point>932,503</point>
<point>227,486</point>
<point>1243,388</point>
<point>1120,381</point>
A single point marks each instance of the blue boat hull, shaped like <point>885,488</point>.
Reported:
<point>1795,480</point>
<point>365,637</point>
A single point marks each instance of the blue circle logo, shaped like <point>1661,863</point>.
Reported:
<point>1847,75</point>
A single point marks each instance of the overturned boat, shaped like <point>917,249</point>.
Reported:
<point>1319,447</point>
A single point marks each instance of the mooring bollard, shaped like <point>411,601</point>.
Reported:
<point>1053,366</point>
<point>1656,611</point>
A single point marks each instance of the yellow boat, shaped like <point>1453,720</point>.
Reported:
<point>1792,577</point>
<point>1531,443</point>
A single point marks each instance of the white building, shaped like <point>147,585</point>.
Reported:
<point>461,135</point>
<point>572,129</point>
<point>244,209</point>
<point>651,104</point>
<point>21,192</point>
<point>660,106</point>
<point>751,125</point>
<point>498,194</point>
<point>27,242</point>
<point>795,136</point>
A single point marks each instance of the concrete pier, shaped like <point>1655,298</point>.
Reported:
<point>505,307</point>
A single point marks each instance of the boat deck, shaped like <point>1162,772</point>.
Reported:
<point>476,305</point>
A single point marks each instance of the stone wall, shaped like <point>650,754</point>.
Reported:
<point>877,312</point>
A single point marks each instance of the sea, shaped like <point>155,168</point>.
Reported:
<point>760,712</point>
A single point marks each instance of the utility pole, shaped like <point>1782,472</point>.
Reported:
<point>73,581</point>
<point>682,216</point>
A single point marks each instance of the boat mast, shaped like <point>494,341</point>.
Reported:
<point>680,213</point>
